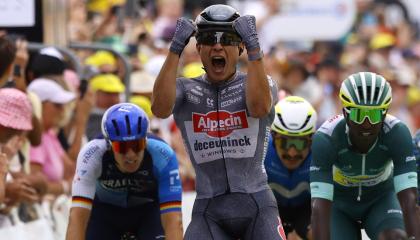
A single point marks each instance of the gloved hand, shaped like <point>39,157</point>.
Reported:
<point>185,28</point>
<point>246,28</point>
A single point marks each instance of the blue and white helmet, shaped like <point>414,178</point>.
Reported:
<point>124,122</point>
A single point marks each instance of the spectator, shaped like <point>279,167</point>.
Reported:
<point>49,157</point>
<point>107,88</point>
<point>15,118</point>
<point>7,53</point>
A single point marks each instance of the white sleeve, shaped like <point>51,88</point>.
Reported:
<point>88,170</point>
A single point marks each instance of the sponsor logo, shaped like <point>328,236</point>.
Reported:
<point>210,102</point>
<point>139,184</point>
<point>314,168</point>
<point>219,124</point>
<point>192,98</point>
<point>228,142</point>
<point>230,94</point>
<point>410,158</point>
<point>266,140</point>
<point>333,118</point>
<point>234,87</point>
<point>230,101</point>
<point>197,92</point>
<point>394,211</point>
<point>173,175</point>
<point>89,153</point>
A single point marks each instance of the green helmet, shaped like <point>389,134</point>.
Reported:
<point>365,90</point>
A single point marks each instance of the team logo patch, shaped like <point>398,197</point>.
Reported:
<point>219,124</point>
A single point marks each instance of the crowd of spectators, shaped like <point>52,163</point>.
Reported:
<point>47,113</point>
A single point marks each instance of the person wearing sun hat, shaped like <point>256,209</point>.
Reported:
<point>15,118</point>
<point>107,88</point>
<point>15,113</point>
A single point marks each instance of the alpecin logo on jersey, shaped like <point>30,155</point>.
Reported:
<point>219,124</point>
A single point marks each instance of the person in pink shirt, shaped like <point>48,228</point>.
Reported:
<point>49,157</point>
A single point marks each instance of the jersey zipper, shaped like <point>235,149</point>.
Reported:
<point>363,173</point>
<point>220,141</point>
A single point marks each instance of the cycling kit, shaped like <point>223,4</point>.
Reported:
<point>291,189</point>
<point>363,186</point>
<point>227,148</point>
<point>416,143</point>
<point>126,201</point>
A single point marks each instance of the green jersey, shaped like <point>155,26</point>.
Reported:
<point>339,172</point>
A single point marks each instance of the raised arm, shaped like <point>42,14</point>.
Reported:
<point>258,95</point>
<point>164,90</point>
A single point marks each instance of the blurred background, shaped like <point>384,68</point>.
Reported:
<point>109,51</point>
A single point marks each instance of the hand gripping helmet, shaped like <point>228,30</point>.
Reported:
<point>366,90</point>
<point>124,122</point>
<point>294,117</point>
<point>216,18</point>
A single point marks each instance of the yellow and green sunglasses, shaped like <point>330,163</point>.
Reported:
<point>374,115</point>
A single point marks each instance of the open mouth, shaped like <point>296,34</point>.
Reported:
<point>366,134</point>
<point>218,63</point>
<point>128,161</point>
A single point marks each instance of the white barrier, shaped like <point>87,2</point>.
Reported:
<point>53,224</point>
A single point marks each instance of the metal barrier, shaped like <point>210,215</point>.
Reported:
<point>89,46</point>
<point>123,58</point>
<point>32,47</point>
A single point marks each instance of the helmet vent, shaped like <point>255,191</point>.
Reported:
<point>345,98</point>
<point>368,93</point>
<point>375,96</point>
<point>117,130</point>
<point>127,124</point>
<point>360,91</point>
<point>139,125</point>
<point>306,122</point>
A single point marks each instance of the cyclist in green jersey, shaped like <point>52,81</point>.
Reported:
<point>363,172</point>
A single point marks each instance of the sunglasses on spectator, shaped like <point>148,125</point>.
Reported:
<point>224,38</point>
<point>286,142</point>
<point>123,147</point>
<point>358,115</point>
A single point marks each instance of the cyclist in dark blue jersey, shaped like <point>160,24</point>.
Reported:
<point>127,185</point>
<point>288,160</point>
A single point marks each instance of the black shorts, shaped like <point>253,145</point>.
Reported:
<point>244,216</point>
<point>296,218</point>
<point>109,222</point>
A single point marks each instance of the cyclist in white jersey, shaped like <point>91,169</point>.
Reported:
<point>126,186</point>
<point>224,117</point>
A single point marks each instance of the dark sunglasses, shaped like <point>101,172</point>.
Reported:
<point>124,146</point>
<point>300,143</point>
<point>224,38</point>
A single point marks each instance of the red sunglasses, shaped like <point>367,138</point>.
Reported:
<point>123,146</point>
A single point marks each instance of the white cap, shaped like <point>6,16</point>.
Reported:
<point>49,90</point>
<point>141,82</point>
<point>52,52</point>
<point>154,65</point>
